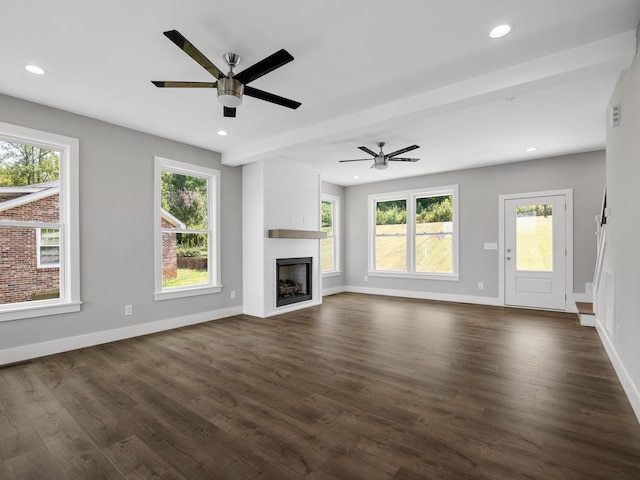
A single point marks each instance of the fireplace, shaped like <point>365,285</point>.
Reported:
<point>293,280</point>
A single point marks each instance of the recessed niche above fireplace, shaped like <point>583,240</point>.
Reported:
<point>293,280</point>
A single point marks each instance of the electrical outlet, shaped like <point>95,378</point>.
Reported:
<point>480,286</point>
<point>233,294</point>
<point>366,278</point>
<point>128,310</point>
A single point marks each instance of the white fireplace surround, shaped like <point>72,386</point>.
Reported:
<point>277,194</point>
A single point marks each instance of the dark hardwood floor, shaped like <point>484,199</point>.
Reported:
<point>362,387</point>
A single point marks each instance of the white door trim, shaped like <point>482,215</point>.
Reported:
<point>568,193</point>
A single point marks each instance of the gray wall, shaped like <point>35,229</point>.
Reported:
<point>622,255</point>
<point>336,281</point>
<point>116,227</point>
<point>478,219</point>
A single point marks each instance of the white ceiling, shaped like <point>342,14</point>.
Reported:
<point>404,72</point>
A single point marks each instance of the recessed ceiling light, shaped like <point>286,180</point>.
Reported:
<point>531,149</point>
<point>35,69</point>
<point>356,176</point>
<point>499,31</point>
<point>222,133</point>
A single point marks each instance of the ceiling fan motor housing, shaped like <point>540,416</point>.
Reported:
<point>230,92</point>
<point>380,162</point>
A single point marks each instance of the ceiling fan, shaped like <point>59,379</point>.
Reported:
<point>381,160</point>
<point>231,87</point>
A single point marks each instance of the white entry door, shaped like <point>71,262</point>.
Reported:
<point>535,252</point>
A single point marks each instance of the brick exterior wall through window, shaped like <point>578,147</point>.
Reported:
<point>21,277</point>
<point>169,253</point>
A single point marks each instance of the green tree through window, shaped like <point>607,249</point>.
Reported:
<point>22,165</point>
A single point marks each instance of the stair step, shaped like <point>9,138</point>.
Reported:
<point>585,308</point>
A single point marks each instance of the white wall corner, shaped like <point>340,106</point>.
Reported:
<point>333,291</point>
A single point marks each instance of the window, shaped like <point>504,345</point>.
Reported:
<point>330,224</point>
<point>434,234</point>
<point>391,235</point>
<point>187,243</point>
<point>414,234</point>
<point>39,240</point>
<point>48,250</point>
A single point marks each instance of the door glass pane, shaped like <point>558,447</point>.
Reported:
<point>534,238</point>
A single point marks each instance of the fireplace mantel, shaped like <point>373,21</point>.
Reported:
<point>308,234</point>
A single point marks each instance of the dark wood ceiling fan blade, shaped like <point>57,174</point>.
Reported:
<point>184,84</point>
<point>402,150</point>
<point>187,47</point>
<point>264,66</point>
<point>399,159</point>
<point>229,112</point>
<point>270,97</point>
<point>357,160</point>
<point>369,151</point>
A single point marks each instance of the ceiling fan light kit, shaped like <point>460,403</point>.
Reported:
<point>230,92</point>
<point>231,87</point>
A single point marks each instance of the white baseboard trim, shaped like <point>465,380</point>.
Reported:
<point>28,352</point>
<point>333,291</point>
<point>445,297</point>
<point>285,309</point>
<point>625,379</point>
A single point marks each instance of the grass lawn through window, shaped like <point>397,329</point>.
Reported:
<point>535,243</point>
<point>327,254</point>
<point>434,253</point>
<point>186,277</point>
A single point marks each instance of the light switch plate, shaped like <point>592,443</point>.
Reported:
<point>491,246</point>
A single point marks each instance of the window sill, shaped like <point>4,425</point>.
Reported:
<point>447,277</point>
<point>187,292</point>
<point>334,273</point>
<point>42,310</point>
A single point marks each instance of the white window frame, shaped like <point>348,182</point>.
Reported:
<point>39,249</point>
<point>212,176</point>
<point>411,196</point>
<point>68,224</point>
<point>337,265</point>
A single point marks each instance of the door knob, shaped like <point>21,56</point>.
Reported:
<point>508,258</point>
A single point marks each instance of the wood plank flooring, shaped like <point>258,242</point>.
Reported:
<point>359,388</point>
